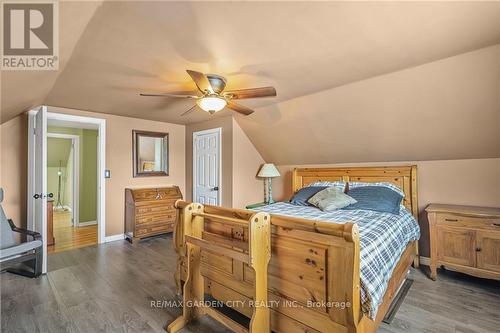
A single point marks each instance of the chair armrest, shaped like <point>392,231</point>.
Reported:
<point>35,235</point>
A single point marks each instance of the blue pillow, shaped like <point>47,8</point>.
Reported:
<point>383,184</point>
<point>300,198</point>
<point>375,198</point>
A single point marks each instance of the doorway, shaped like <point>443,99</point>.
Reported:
<point>71,184</point>
<point>207,166</point>
<point>63,173</point>
<point>39,123</point>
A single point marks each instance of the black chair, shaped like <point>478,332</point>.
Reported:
<point>13,253</point>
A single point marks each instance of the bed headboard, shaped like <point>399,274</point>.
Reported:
<point>404,177</point>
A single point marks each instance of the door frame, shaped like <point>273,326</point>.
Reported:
<point>75,141</point>
<point>72,120</point>
<point>32,174</point>
<point>217,131</point>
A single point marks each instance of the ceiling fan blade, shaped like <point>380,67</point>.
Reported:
<point>251,93</point>
<point>168,95</point>
<point>201,81</point>
<point>189,111</point>
<point>239,108</point>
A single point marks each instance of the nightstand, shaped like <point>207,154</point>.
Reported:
<point>256,205</point>
<point>465,239</point>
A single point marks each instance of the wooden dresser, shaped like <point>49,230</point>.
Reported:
<point>465,239</point>
<point>150,211</point>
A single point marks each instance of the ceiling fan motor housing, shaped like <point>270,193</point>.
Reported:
<point>217,82</point>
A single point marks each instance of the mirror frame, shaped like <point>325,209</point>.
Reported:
<point>135,153</point>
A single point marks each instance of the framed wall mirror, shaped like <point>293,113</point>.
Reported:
<point>150,153</point>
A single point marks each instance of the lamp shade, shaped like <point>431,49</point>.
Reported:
<point>211,104</point>
<point>268,170</point>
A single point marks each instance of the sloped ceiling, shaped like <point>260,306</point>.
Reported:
<point>341,69</point>
<point>22,90</point>
<point>58,151</point>
<point>448,109</point>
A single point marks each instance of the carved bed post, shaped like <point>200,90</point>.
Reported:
<point>344,278</point>
<point>353,280</point>
<point>193,286</point>
<point>183,225</point>
<point>260,254</point>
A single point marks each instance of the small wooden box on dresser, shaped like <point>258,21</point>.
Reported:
<point>465,239</point>
<point>150,211</point>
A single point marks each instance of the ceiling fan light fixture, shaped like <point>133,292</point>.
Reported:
<point>211,104</point>
<point>214,98</point>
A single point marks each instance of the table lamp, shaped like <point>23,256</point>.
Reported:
<point>268,171</point>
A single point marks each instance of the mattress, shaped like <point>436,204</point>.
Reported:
<point>383,239</point>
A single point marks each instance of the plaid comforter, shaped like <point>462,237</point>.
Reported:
<point>383,239</point>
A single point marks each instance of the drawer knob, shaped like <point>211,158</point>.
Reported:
<point>478,249</point>
<point>451,220</point>
<point>496,224</point>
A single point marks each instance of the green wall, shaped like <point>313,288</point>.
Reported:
<point>88,170</point>
<point>59,151</point>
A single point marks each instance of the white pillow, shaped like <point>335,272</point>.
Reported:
<point>330,199</point>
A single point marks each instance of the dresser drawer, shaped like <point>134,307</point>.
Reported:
<point>152,194</point>
<point>168,193</point>
<point>146,195</point>
<point>459,221</point>
<point>165,217</point>
<point>156,208</point>
<point>153,229</point>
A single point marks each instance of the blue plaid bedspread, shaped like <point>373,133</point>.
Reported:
<point>383,238</point>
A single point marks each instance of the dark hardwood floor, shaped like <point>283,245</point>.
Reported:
<point>109,288</point>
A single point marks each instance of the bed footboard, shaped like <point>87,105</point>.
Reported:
<point>313,276</point>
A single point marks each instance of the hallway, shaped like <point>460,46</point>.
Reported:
<point>68,237</point>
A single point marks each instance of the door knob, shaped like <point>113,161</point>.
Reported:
<point>216,188</point>
<point>478,249</point>
<point>41,195</point>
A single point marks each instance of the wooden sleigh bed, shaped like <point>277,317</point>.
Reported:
<point>298,261</point>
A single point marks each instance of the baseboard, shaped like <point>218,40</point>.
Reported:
<point>114,238</point>
<point>426,261</point>
<point>84,224</point>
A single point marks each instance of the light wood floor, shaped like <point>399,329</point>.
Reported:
<point>68,237</point>
<point>109,288</point>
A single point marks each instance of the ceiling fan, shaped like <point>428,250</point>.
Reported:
<point>214,97</point>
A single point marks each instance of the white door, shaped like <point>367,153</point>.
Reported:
<point>37,177</point>
<point>207,166</point>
